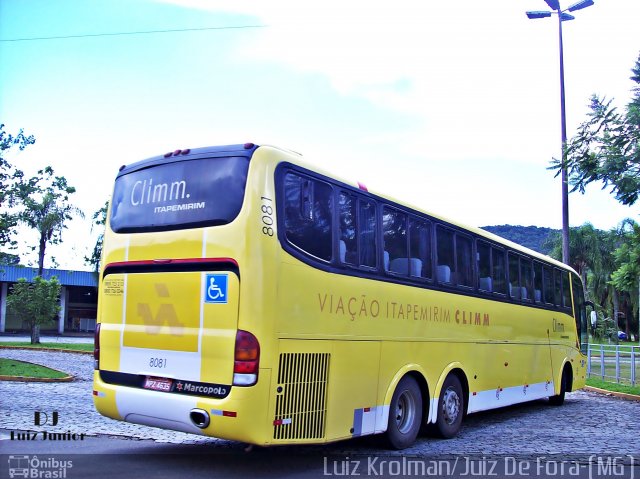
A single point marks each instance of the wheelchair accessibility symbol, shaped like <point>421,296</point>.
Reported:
<point>216,288</point>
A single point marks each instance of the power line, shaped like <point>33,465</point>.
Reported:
<point>87,35</point>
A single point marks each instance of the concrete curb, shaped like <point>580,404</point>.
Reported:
<point>630,397</point>
<point>27,348</point>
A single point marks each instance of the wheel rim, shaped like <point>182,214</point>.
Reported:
<point>405,412</point>
<point>450,406</point>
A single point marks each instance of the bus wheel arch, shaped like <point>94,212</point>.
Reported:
<point>566,385</point>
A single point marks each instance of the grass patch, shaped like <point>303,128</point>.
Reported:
<point>614,387</point>
<point>74,346</point>
<point>11,367</point>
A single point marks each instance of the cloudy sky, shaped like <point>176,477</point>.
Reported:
<point>451,106</point>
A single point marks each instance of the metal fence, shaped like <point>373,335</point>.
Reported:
<point>614,363</point>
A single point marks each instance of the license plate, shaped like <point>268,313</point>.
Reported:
<point>158,384</point>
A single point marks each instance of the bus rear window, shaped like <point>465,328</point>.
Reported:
<point>181,194</point>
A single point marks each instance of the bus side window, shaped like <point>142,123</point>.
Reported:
<point>347,221</point>
<point>514,277</point>
<point>537,281</point>
<point>557,287</point>
<point>367,233</point>
<point>444,250</point>
<point>420,247</point>
<point>394,232</point>
<point>547,280</point>
<point>499,271</point>
<point>464,265</point>
<point>485,280</point>
<point>566,292</point>
<point>308,206</point>
<point>526,278</point>
<point>580,312</point>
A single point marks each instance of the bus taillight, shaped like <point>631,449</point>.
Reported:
<point>96,347</point>
<point>246,359</point>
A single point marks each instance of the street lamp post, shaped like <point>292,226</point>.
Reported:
<point>563,16</point>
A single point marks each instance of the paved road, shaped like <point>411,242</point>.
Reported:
<point>588,423</point>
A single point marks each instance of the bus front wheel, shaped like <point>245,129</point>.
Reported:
<point>450,407</point>
<point>405,414</point>
<point>565,385</point>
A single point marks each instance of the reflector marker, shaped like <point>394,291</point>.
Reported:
<point>100,394</point>
<point>282,422</point>
<point>220,412</point>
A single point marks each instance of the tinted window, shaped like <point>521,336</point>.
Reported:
<point>308,206</point>
<point>446,263</point>
<point>557,288</point>
<point>394,231</point>
<point>566,292</point>
<point>491,272</point>
<point>537,282</point>
<point>367,220</point>
<point>420,247</point>
<point>514,277</point>
<point>580,312</point>
<point>499,271</point>
<point>526,279</point>
<point>464,266</point>
<point>485,282</point>
<point>348,237</point>
<point>180,194</point>
<point>548,284</point>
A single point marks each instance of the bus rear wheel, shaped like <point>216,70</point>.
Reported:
<point>450,408</point>
<point>405,414</point>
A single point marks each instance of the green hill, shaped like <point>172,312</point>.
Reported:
<point>532,237</point>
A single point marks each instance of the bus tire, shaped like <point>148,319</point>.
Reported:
<point>405,414</point>
<point>558,400</point>
<point>450,408</point>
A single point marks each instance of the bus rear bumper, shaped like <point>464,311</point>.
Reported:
<point>237,417</point>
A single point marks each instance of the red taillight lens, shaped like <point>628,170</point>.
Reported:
<point>96,347</point>
<point>246,359</point>
<point>246,367</point>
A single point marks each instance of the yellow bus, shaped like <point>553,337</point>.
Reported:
<point>246,294</point>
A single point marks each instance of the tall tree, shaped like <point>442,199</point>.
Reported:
<point>46,208</point>
<point>35,303</point>
<point>607,147</point>
<point>9,177</point>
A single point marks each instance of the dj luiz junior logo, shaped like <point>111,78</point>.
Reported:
<point>44,419</point>
<point>145,192</point>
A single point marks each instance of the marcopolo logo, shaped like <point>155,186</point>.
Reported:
<point>202,389</point>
